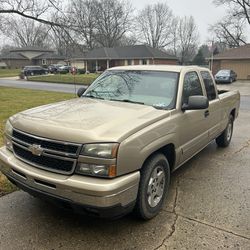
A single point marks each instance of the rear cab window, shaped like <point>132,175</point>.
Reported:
<point>209,85</point>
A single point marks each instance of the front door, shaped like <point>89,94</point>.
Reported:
<point>193,129</point>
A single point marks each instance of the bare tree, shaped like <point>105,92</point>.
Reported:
<point>186,39</point>
<point>82,15</point>
<point>113,20</point>
<point>229,32</point>
<point>236,8</point>
<point>25,32</point>
<point>155,25</point>
<point>31,9</point>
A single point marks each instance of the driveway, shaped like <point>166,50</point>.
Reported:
<point>208,208</point>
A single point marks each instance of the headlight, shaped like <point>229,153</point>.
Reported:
<point>102,150</point>
<point>7,136</point>
<point>96,170</point>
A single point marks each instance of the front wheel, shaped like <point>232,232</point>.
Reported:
<point>225,138</point>
<point>154,184</point>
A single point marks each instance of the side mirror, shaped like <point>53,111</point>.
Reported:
<point>80,92</point>
<point>195,103</point>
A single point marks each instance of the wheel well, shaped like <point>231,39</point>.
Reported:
<point>169,152</point>
<point>233,113</point>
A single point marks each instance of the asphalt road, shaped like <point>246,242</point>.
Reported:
<point>66,88</point>
<point>208,208</point>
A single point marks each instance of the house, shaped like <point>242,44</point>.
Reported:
<point>237,59</point>
<point>20,57</point>
<point>103,58</point>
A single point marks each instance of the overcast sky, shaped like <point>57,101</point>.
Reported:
<point>204,12</point>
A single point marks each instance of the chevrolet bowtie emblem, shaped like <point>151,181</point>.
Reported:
<point>36,149</point>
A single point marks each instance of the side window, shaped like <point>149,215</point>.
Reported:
<point>191,86</point>
<point>209,85</point>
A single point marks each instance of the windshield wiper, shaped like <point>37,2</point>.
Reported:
<point>127,100</point>
<point>93,96</point>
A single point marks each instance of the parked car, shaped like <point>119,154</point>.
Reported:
<point>53,68</point>
<point>64,69</point>
<point>113,150</point>
<point>225,75</point>
<point>33,70</point>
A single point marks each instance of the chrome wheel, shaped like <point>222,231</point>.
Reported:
<point>229,131</point>
<point>156,186</point>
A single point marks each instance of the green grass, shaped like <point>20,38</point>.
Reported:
<point>15,100</point>
<point>9,72</point>
<point>84,79</point>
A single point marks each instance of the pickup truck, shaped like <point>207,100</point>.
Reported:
<point>112,150</point>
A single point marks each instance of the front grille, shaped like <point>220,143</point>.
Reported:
<point>68,148</point>
<point>54,156</point>
<point>44,161</point>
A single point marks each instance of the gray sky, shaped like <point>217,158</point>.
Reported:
<point>203,11</point>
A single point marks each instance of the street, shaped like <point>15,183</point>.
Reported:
<point>57,87</point>
<point>208,205</point>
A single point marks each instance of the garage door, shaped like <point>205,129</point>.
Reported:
<point>242,68</point>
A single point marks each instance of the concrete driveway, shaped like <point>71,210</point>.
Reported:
<point>208,208</point>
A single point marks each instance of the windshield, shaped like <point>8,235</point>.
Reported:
<point>153,88</point>
<point>223,73</point>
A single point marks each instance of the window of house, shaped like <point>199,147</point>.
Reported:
<point>144,62</point>
<point>129,62</point>
<point>191,86</point>
<point>209,85</point>
<point>44,62</point>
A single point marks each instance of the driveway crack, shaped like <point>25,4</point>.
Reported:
<point>175,218</point>
<point>244,147</point>
<point>215,227</point>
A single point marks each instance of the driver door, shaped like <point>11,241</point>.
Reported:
<point>193,125</point>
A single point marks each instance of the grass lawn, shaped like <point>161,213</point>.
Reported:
<point>84,79</point>
<point>15,100</point>
<point>9,72</point>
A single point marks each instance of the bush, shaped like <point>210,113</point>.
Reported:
<point>81,71</point>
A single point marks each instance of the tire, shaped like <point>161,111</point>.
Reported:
<point>151,198</point>
<point>225,138</point>
<point>231,80</point>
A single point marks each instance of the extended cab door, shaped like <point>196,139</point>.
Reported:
<point>215,112</point>
<point>193,128</point>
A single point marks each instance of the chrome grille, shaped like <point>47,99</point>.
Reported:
<point>51,155</point>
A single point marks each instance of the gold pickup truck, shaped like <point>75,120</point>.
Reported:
<point>112,150</point>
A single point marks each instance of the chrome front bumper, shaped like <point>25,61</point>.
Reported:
<point>90,191</point>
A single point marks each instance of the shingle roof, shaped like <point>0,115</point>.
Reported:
<point>50,56</point>
<point>12,55</point>
<point>127,52</point>
<point>18,56</point>
<point>31,48</point>
<point>242,52</point>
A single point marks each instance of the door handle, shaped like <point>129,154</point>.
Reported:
<point>206,113</point>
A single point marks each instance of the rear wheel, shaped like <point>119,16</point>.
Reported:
<point>225,138</point>
<point>154,184</point>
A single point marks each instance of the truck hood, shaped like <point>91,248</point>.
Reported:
<point>86,120</point>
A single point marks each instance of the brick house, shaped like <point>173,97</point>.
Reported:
<point>20,57</point>
<point>237,59</point>
<point>103,58</point>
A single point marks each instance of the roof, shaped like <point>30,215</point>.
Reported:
<point>242,52</point>
<point>31,48</point>
<point>172,68</point>
<point>127,52</point>
<point>13,55</point>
